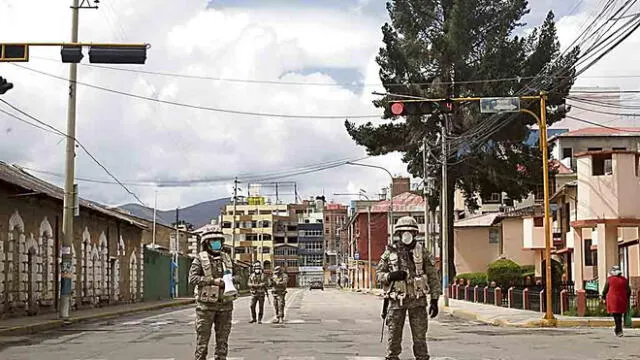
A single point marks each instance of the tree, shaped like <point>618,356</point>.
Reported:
<point>445,48</point>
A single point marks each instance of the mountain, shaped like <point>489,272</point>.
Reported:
<point>198,214</point>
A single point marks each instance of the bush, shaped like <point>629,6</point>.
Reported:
<point>528,269</point>
<point>504,272</point>
<point>477,278</point>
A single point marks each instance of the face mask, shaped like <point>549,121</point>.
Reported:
<point>407,238</point>
<point>215,245</point>
<point>257,271</point>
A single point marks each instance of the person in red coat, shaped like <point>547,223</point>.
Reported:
<point>617,294</point>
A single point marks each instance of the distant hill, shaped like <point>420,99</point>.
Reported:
<point>198,215</point>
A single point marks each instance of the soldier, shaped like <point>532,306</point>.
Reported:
<point>279,282</point>
<point>212,307</point>
<point>407,272</point>
<point>258,283</point>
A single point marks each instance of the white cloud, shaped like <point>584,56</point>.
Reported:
<point>137,139</point>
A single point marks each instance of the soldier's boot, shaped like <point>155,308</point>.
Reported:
<point>260,319</point>
<point>276,321</point>
<point>252,321</point>
<point>282,320</point>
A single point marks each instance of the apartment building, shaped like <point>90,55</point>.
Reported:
<point>254,228</point>
<point>335,217</point>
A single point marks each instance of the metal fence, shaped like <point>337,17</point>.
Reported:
<point>517,300</point>
<point>534,300</point>
<point>481,295</point>
<point>491,296</point>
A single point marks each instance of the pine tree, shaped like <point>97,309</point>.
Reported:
<point>451,45</point>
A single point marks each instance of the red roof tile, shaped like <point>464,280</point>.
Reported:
<point>602,131</point>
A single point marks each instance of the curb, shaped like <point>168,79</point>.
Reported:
<point>470,316</point>
<point>52,324</point>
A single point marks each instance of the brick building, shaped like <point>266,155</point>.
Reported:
<point>335,216</point>
<point>107,249</point>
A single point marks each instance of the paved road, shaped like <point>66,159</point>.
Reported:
<point>322,325</point>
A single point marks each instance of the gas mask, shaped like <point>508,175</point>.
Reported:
<point>215,244</point>
<point>407,238</point>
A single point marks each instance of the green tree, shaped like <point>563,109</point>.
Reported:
<point>443,48</point>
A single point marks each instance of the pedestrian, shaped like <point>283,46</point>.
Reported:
<point>258,283</point>
<point>213,308</point>
<point>617,294</point>
<point>279,283</point>
<point>407,272</point>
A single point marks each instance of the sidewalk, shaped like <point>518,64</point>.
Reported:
<point>31,324</point>
<point>501,316</point>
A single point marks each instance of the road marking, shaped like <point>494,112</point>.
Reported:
<point>296,321</point>
<point>364,321</point>
<point>129,323</point>
<point>160,323</point>
<point>296,357</point>
<point>331,321</point>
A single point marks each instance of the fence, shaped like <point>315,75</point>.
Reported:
<point>564,299</point>
<point>158,280</point>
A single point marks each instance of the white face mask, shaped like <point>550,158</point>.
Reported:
<point>257,271</point>
<point>407,238</point>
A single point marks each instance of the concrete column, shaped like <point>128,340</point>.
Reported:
<point>578,258</point>
<point>607,251</point>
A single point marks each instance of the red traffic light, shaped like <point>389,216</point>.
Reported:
<point>397,108</point>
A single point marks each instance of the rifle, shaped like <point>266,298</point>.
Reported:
<point>385,307</point>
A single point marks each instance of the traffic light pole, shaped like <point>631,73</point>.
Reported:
<point>444,229</point>
<point>66,272</point>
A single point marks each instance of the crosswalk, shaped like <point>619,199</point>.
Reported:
<point>286,357</point>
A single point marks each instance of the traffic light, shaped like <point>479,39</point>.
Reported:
<point>404,108</point>
<point>14,52</point>
<point>71,54</point>
<point>5,85</point>
<point>446,106</point>
<point>118,54</point>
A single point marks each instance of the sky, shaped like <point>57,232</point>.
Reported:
<point>328,45</point>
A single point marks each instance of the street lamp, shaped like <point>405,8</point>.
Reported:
<point>390,239</point>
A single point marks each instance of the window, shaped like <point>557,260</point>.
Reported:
<point>326,231</point>
<point>567,153</point>
<point>538,221</point>
<point>594,149</point>
<point>590,256</point>
<point>266,223</point>
<point>266,250</point>
<point>265,212</point>
<point>292,262</point>
<point>226,224</point>
<point>254,224</point>
<point>240,250</point>
<point>619,149</point>
<point>494,236</point>
<point>292,240</point>
<point>266,237</point>
<point>601,165</point>
<point>251,212</point>
<point>419,219</point>
<point>494,198</point>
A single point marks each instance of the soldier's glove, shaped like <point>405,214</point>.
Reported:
<point>433,308</point>
<point>398,275</point>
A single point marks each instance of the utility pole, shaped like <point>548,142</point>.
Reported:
<point>444,229</point>
<point>155,207</point>
<point>425,194</point>
<point>369,243</point>
<point>66,272</point>
<point>175,254</point>
<point>233,222</point>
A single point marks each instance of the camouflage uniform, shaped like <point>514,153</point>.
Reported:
<point>212,309</point>
<point>258,287</point>
<point>279,283</point>
<point>408,296</point>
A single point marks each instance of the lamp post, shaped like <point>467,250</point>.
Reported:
<point>390,239</point>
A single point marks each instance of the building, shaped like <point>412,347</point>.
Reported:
<point>254,230</point>
<point>165,237</point>
<point>482,239</point>
<point>107,249</point>
<point>566,146</point>
<point>335,217</point>
<point>597,220</point>
<point>285,244</point>
<point>372,217</point>
<point>311,244</point>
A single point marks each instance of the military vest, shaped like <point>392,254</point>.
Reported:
<point>280,284</point>
<point>256,279</point>
<point>213,268</point>
<point>413,262</point>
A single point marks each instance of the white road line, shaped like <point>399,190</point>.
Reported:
<point>331,321</point>
<point>128,323</point>
<point>295,321</point>
<point>296,357</point>
<point>364,321</point>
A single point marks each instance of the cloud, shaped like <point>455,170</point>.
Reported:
<point>138,139</point>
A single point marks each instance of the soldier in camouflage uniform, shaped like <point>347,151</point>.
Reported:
<point>279,283</point>
<point>407,272</point>
<point>212,307</point>
<point>258,283</point>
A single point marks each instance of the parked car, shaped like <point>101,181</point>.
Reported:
<point>316,285</point>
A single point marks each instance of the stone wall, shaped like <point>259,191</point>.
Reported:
<point>107,256</point>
